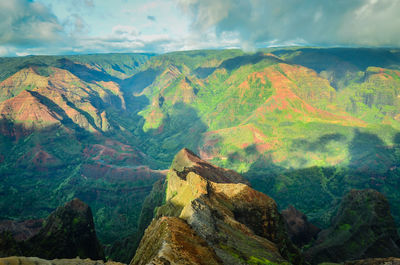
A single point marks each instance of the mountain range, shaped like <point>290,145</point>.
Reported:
<point>303,125</point>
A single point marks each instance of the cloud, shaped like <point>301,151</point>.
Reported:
<point>124,31</point>
<point>25,23</point>
<point>28,27</point>
<point>3,51</point>
<point>151,18</point>
<point>339,22</point>
<point>123,38</point>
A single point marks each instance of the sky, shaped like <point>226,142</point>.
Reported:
<point>99,26</point>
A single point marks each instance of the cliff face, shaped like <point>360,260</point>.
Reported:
<point>363,228</point>
<point>239,224</point>
<point>67,233</point>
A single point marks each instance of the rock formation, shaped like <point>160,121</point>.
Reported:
<point>67,233</point>
<point>233,223</point>
<point>174,241</point>
<point>363,228</point>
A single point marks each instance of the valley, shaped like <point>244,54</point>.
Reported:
<point>302,125</point>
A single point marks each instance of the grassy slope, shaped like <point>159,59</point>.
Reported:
<point>304,125</point>
<point>315,131</point>
<point>77,149</point>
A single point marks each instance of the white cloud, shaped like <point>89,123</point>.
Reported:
<point>25,23</point>
<point>88,26</point>
<point>339,22</point>
<point>22,53</point>
<point>125,31</point>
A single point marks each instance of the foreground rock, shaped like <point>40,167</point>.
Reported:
<point>166,236</point>
<point>300,230</point>
<point>234,223</point>
<point>67,233</point>
<point>38,261</point>
<point>363,228</point>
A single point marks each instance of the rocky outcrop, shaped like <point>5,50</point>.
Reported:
<point>67,233</point>
<point>239,224</point>
<point>300,230</point>
<point>38,261</point>
<point>170,240</point>
<point>363,228</point>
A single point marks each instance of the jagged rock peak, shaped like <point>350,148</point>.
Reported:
<point>240,224</point>
<point>186,161</point>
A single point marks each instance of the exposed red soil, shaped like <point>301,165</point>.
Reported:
<point>38,159</point>
<point>118,152</point>
<point>61,86</point>
<point>284,98</point>
<point>27,108</point>
<point>42,159</point>
<point>24,78</point>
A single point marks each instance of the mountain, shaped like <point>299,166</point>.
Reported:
<point>212,216</point>
<point>67,233</point>
<point>304,125</point>
<point>56,117</point>
<point>363,228</point>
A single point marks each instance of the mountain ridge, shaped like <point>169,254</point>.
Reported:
<point>329,125</point>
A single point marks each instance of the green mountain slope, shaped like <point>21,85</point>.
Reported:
<point>304,125</point>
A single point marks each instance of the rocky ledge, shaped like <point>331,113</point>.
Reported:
<point>231,222</point>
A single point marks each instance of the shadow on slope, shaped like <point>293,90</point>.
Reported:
<point>248,59</point>
<point>317,191</point>
<point>181,127</point>
<point>341,66</point>
<point>84,72</point>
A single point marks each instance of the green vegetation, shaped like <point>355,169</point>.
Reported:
<point>303,125</point>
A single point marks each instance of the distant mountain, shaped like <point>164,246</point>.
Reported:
<point>59,140</point>
<point>304,125</point>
